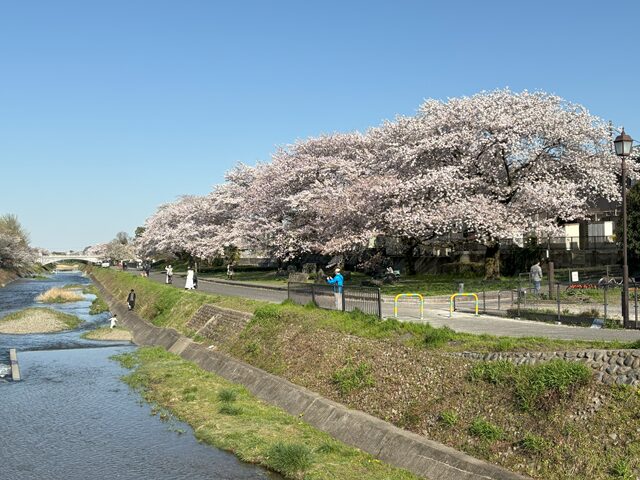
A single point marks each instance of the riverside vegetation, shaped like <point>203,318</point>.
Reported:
<point>229,417</point>
<point>59,295</point>
<point>549,421</point>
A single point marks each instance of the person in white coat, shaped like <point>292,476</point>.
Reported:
<point>189,285</point>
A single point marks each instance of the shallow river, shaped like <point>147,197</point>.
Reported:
<point>72,418</point>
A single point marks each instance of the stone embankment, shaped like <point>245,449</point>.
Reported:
<point>620,367</point>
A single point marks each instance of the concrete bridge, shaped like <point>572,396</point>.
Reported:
<point>47,259</point>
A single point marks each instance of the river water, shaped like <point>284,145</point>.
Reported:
<point>71,417</point>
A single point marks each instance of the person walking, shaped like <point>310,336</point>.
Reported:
<point>536,277</point>
<point>337,281</point>
<point>188,285</point>
<point>169,278</point>
<point>230,271</point>
<point>113,321</point>
<point>131,299</point>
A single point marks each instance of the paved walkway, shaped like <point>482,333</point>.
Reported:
<point>436,314</point>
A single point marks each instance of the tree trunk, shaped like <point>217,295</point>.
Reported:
<point>409,256</point>
<point>492,262</point>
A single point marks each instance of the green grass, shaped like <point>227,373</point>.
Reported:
<point>449,418</point>
<point>258,276</point>
<point>533,444</point>
<point>98,306</point>
<point>485,430</point>
<point>163,305</point>
<point>254,431</point>
<point>534,387</point>
<point>227,395</point>
<point>271,317</point>
<point>446,284</point>
<point>352,377</point>
<point>290,459</point>
<point>92,289</point>
<point>622,470</point>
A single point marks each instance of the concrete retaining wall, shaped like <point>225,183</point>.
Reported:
<point>377,437</point>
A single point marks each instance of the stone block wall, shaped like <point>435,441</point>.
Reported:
<point>218,324</point>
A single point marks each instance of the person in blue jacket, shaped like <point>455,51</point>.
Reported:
<point>337,281</point>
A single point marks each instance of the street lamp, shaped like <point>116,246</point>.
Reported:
<point>623,144</point>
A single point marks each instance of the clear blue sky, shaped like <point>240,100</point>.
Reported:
<point>108,109</point>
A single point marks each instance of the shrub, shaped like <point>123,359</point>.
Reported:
<point>98,306</point>
<point>350,377</point>
<point>496,373</point>
<point>449,418</point>
<point>487,431</point>
<point>289,459</point>
<point>533,443</point>
<point>622,470</point>
<point>436,337</point>
<point>230,409</point>
<point>227,395</point>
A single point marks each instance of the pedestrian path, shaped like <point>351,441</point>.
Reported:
<point>436,314</point>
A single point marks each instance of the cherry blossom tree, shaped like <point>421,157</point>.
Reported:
<point>494,165</point>
<point>497,164</point>
<point>287,209</point>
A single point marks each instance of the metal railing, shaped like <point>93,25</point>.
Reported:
<point>365,299</point>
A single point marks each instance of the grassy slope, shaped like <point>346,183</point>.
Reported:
<point>400,372</point>
<point>229,417</point>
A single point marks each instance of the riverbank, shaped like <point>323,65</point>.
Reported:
<point>6,277</point>
<point>227,416</point>
<point>547,421</point>
<point>37,320</point>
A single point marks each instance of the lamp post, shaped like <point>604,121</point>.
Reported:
<point>623,144</point>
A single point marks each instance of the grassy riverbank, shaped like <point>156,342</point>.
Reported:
<point>229,417</point>
<point>37,320</point>
<point>164,305</point>
<point>550,421</point>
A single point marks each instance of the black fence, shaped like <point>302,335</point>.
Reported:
<point>365,299</point>
<point>587,297</point>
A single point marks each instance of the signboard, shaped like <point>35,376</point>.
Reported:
<point>574,277</point>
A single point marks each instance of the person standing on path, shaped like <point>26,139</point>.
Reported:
<point>188,285</point>
<point>169,271</point>
<point>536,277</point>
<point>113,321</point>
<point>337,281</point>
<point>131,299</point>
